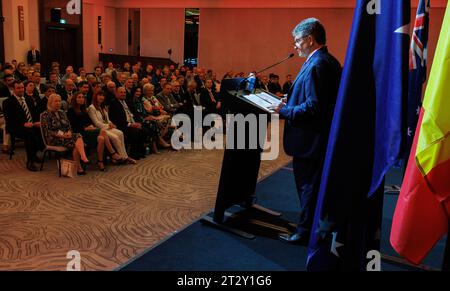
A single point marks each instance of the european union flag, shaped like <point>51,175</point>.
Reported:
<point>367,137</point>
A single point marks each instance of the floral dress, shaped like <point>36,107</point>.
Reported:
<point>54,122</point>
<point>157,108</point>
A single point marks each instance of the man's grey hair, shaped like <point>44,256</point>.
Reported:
<point>313,27</point>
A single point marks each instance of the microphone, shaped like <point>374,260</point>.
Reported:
<point>280,62</point>
<point>263,70</point>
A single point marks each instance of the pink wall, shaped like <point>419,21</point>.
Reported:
<point>162,29</point>
<point>248,3</point>
<point>251,39</point>
<point>229,38</point>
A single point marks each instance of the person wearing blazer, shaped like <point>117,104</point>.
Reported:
<point>98,113</point>
<point>121,115</point>
<point>33,56</point>
<point>308,116</point>
<point>20,123</point>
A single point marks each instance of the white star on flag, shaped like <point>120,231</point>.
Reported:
<point>404,29</point>
<point>335,245</point>
<point>418,110</point>
<point>409,132</point>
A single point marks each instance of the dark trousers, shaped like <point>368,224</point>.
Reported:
<point>307,173</point>
<point>31,137</point>
<point>137,138</point>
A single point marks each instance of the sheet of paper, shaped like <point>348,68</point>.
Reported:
<point>264,101</point>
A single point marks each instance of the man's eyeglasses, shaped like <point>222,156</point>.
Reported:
<point>299,40</point>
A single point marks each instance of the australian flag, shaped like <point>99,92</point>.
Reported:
<point>367,137</point>
<point>417,69</point>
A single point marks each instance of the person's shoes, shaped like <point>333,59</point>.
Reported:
<point>32,167</point>
<point>5,149</point>
<point>101,166</point>
<point>294,239</point>
<point>81,173</point>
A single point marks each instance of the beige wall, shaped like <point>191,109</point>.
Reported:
<point>162,29</point>
<point>15,48</point>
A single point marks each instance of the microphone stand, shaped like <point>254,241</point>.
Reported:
<point>263,70</point>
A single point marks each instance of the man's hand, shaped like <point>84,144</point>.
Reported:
<point>28,125</point>
<point>279,107</point>
<point>136,125</point>
<point>37,124</point>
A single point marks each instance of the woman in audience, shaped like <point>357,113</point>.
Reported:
<point>156,114</point>
<point>94,137</point>
<point>99,115</point>
<point>57,131</point>
<point>21,72</point>
<point>143,117</point>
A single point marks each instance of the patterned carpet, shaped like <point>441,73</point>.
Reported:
<point>108,217</point>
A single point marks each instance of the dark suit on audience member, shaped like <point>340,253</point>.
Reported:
<point>16,118</point>
<point>33,59</point>
<point>308,114</point>
<point>274,88</point>
<point>209,100</point>
<point>136,137</point>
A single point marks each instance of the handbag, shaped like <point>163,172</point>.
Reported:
<point>68,168</point>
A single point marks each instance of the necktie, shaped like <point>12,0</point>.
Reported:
<point>127,112</point>
<point>212,96</point>
<point>25,108</point>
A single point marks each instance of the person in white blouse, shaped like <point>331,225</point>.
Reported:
<point>99,115</point>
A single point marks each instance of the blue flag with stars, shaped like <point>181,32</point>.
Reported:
<point>367,137</point>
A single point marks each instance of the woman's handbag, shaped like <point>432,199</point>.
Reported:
<point>68,168</point>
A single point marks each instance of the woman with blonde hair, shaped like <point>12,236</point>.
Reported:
<point>155,113</point>
<point>57,131</point>
<point>98,113</point>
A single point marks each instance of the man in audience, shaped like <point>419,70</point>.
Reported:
<point>274,85</point>
<point>98,74</point>
<point>121,77</point>
<point>33,56</point>
<point>36,79</point>
<point>7,86</point>
<point>176,93</point>
<point>67,93</point>
<point>110,93</point>
<point>121,116</point>
<point>264,83</point>
<point>166,99</point>
<point>53,81</point>
<point>20,123</point>
<point>129,86</point>
<point>287,85</point>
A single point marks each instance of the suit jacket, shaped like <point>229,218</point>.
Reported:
<point>30,57</point>
<point>65,95</point>
<point>15,116</point>
<point>310,106</point>
<point>118,115</point>
<point>207,103</point>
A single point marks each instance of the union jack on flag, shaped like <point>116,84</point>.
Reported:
<point>417,68</point>
<point>419,41</point>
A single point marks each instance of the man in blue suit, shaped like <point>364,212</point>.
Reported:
<point>308,115</point>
